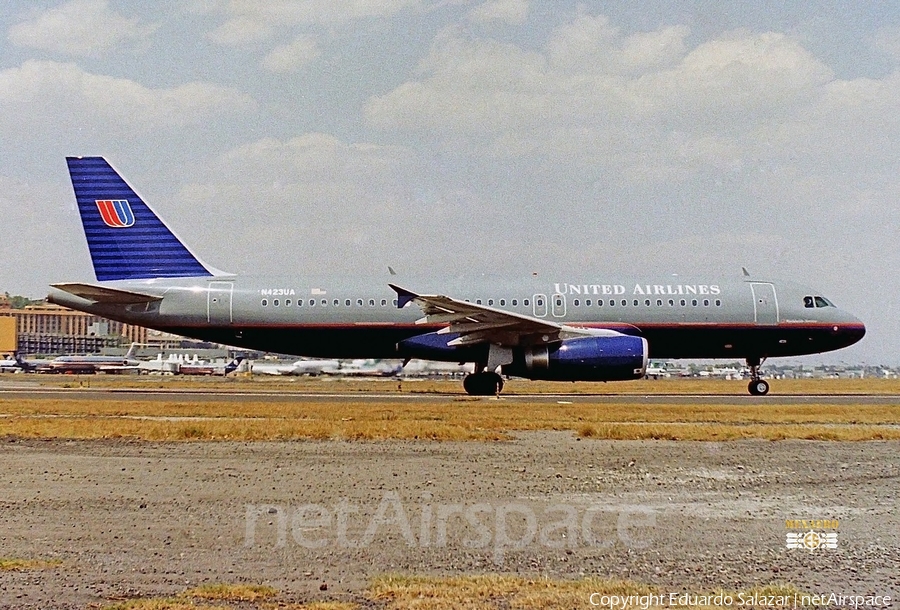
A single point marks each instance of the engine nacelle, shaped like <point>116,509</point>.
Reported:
<point>606,358</point>
<point>434,346</point>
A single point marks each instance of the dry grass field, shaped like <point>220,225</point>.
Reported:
<point>455,417</point>
<point>482,592</point>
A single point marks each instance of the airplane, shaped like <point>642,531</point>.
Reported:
<point>582,326</point>
<point>300,367</point>
<point>213,368</point>
<point>14,364</point>
<point>369,367</point>
<point>94,364</point>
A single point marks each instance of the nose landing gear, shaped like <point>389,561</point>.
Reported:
<point>758,386</point>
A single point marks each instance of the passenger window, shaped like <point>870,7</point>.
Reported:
<point>718,302</point>
<point>694,302</point>
<point>624,302</point>
<point>808,302</point>
<point>347,303</point>
<point>587,302</point>
<point>502,302</point>
<point>490,301</point>
<point>706,302</point>
<point>515,302</point>
<point>636,303</point>
<point>671,302</point>
<point>371,302</point>
<point>395,302</point>
<point>659,302</point>
<point>299,302</point>
<point>525,302</point>
<point>275,303</point>
<point>612,303</point>
<point>383,302</point>
<point>265,302</point>
<point>287,303</point>
<point>683,302</point>
<point>312,302</point>
<point>478,301</point>
<point>576,302</point>
<point>324,302</point>
<point>647,302</point>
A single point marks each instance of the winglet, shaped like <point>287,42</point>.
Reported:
<point>404,296</point>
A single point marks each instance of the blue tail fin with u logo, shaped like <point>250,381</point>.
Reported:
<point>127,240</point>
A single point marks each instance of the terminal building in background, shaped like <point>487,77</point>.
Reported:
<point>48,330</point>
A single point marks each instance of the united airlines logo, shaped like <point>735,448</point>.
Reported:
<point>116,213</point>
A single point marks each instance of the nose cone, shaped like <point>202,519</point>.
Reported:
<point>850,331</point>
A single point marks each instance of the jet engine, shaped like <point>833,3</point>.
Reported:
<point>612,357</point>
<point>601,358</point>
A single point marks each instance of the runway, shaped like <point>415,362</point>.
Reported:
<point>28,392</point>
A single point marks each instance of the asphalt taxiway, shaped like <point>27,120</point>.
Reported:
<point>28,392</point>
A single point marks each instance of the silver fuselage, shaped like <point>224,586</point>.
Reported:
<point>358,318</point>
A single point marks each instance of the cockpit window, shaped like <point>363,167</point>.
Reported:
<point>816,301</point>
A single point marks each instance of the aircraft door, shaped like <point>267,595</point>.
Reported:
<point>765,303</point>
<point>558,305</point>
<point>219,302</point>
<point>540,306</point>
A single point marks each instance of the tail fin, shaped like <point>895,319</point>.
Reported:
<point>127,240</point>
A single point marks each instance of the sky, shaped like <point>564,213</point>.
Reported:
<point>453,137</point>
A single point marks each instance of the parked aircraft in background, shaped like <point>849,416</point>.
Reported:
<point>15,364</point>
<point>94,364</point>
<point>300,367</point>
<point>582,326</point>
<point>371,367</point>
<point>214,368</point>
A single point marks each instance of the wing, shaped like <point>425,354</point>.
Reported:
<point>481,324</point>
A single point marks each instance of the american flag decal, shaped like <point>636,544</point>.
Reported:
<point>116,213</point>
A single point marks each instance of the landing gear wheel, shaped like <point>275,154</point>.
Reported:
<point>759,387</point>
<point>483,384</point>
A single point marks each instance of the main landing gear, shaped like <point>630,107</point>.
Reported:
<point>483,383</point>
<point>758,386</point>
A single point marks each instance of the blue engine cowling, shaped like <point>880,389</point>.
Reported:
<point>433,346</point>
<point>602,358</point>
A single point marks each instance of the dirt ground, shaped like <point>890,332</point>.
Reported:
<point>139,518</point>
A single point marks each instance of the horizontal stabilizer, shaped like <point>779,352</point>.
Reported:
<point>104,294</point>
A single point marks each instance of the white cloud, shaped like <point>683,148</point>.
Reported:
<point>80,28</point>
<point>54,96</point>
<point>887,40</point>
<point>293,56</point>
<point>514,12</point>
<point>299,186</point>
<point>239,31</point>
<point>595,95</point>
<point>250,21</point>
